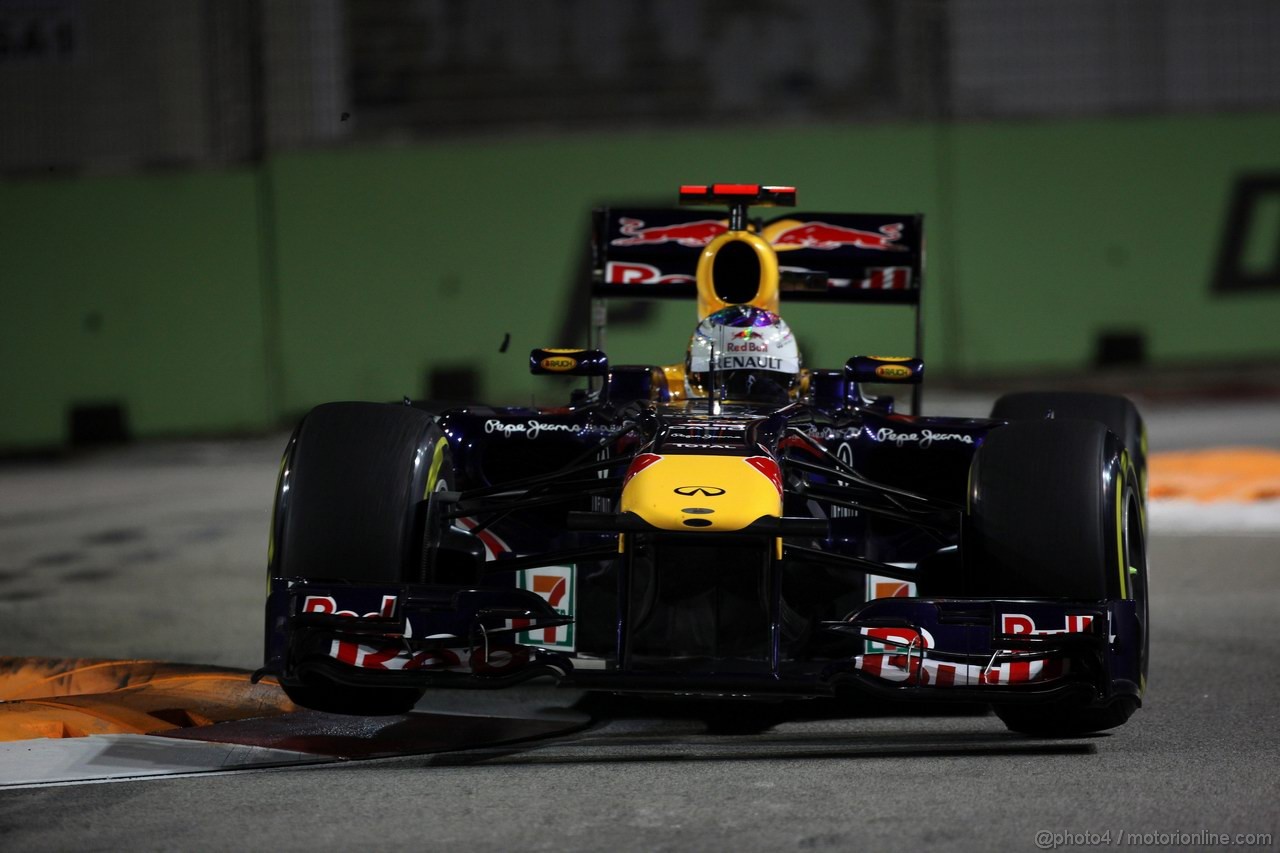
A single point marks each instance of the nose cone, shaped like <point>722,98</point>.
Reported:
<point>694,493</point>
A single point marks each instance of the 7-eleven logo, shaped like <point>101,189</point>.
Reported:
<point>555,584</point>
<point>879,586</point>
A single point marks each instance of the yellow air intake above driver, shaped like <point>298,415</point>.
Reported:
<point>737,268</point>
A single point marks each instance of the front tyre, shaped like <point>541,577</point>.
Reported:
<point>1055,511</point>
<point>1113,411</point>
<point>351,508</point>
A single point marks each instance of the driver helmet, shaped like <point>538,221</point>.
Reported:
<point>755,356</point>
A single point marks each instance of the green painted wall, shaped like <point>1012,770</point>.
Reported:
<point>392,261</point>
<point>1066,229</point>
<point>385,263</point>
<point>144,290</point>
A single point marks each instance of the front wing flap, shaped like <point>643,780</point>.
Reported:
<point>359,633</point>
<point>907,648</point>
<point>990,649</point>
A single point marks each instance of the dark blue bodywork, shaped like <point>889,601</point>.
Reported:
<point>531,567</point>
<point>889,489</point>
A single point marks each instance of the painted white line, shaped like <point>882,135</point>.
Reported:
<point>1194,518</point>
<point>117,758</point>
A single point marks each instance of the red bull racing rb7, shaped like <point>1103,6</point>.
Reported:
<point>735,524</point>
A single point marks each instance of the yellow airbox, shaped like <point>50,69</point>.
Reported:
<point>737,268</point>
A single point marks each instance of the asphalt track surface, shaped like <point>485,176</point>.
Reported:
<point>157,552</point>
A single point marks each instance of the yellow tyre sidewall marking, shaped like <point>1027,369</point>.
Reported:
<point>1120,556</point>
<point>433,473</point>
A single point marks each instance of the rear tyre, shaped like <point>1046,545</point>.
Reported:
<point>350,508</point>
<point>1055,511</point>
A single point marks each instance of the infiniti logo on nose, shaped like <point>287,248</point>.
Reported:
<point>690,491</point>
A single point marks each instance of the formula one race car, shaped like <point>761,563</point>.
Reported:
<point>734,525</point>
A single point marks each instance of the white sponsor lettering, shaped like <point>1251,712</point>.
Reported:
<point>901,638</point>
<point>758,362</point>
<point>845,454</point>
<point>920,670</point>
<point>1020,623</point>
<point>529,429</point>
<point>928,436</point>
<point>634,273</point>
<point>699,445</point>
<point>328,605</point>
<point>373,654</point>
<point>923,438</point>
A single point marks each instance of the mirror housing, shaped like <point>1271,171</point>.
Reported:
<point>568,361</point>
<point>897,370</point>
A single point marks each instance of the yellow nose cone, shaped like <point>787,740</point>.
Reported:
<point>704,493</point>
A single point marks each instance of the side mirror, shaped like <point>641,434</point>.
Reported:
<point>883,368</point>
<point>568,362</point>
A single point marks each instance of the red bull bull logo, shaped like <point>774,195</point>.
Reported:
<point>824,236</point>
<point>693,235</point>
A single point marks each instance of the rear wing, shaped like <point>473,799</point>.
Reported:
<point>823,257</point>
<point>859,258</point>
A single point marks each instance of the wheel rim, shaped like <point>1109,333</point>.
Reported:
<point>1135,561</point>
